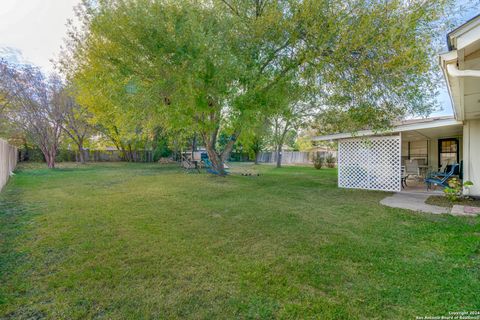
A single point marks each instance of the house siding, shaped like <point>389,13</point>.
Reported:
<point>471,153</point>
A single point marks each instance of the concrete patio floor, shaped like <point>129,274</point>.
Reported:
<point>413,201</point>
<point>418,186</point>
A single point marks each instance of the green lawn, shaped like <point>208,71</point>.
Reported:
<point>142,241</point>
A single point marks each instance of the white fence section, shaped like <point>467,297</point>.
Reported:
<point>372,163</point>
<point>287,157</point>
<point>294,157</point>
<point>8,161</point>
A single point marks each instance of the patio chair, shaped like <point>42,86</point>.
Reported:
<point>412,168</point>
<point>441,178</point>
<point>208,165</point>
<point>443,168</point>
<point>188,165</point>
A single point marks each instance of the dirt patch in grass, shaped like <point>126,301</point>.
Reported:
<point>444,202</point>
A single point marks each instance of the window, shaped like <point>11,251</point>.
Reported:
<point>447,151</point>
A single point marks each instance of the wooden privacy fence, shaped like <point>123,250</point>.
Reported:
<point>117,155</point>
<point>294,157</point>
<point>288,157</point>
<point>8,161</point>
<point>63,155</point>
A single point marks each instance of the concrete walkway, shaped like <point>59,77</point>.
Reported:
<point>416,202</point>
<point>459,210</point>
<point>412,201</point>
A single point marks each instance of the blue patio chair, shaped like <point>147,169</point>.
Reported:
<point>441,178</point>
<point>209,167</point>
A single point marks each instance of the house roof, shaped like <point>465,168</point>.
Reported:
<point>400,126</point>
<point>453,36</point>
<point>461,69</point>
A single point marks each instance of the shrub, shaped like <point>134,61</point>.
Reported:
<point>318,161</point>
<point>455,189</point>
<point>331,161</point>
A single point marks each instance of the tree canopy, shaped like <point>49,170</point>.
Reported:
<point>222,65</point>
<point>31,103</point>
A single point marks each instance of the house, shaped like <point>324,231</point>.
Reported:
<point>369,160</point>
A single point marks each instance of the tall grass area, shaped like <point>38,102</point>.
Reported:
<point>143,241</point>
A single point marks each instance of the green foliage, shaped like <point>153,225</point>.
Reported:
<point>318,160</point>
<point>65,155</point>
<point>386,68</point>
<point>331,161</point>
<point>256,137</point>
<point>223,66</point>
<point>455,189</point>
<point>303,143</point>
<point>162,149</point>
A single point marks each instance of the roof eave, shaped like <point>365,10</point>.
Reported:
<point>427,124</point>
<point>453,35</point>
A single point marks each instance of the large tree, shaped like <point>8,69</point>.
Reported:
<point>214,66</point>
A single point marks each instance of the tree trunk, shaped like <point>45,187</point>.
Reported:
<point>51,163</point>
<point>280,145</point>
<point>26,155</point>
<point>194,143</point>
<point>49,155</point>
<point>216,161</point>
<point>279,156</point>
<point>130,153</point>
<point>50,158</point>
<point>81,152</point>
<point>257,157</point>
<point>81,155</point>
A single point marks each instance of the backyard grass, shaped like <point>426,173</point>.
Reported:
<point>145,241</point>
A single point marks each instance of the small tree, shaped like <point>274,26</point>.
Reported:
<point>255,138</point>
<point>257,147</point>
<point>290,119</point>
<point>30,102</point>
<point>75,121</point>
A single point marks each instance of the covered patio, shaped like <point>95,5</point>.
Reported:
<point>428,150</point>
<point>400,159</point>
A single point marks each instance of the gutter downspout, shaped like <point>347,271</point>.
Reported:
<point>452,70</point>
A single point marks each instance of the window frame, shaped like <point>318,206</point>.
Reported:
<point>440,150</point>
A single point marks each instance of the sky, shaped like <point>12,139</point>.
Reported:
<point>32,31</point>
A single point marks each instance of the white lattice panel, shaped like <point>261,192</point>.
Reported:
<point>370,163</point>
